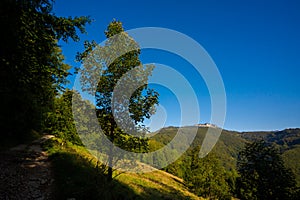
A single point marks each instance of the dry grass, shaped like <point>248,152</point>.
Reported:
<point>157,185</point>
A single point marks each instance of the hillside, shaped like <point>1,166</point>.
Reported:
<point>156,185</point>
<point>231,142</point>
<point>288,141</point>
<point>78,175</point>
<point>226,149</point>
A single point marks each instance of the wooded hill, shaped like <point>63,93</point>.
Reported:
<point>231,142</point>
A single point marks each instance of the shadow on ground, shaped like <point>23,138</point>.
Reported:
<point>77,178</point>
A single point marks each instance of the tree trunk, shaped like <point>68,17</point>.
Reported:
<point>110,163</point>
<point>111,156</point>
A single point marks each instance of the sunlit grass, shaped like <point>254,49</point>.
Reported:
<point>77,176</point>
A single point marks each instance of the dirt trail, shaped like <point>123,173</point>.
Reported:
<point>25,172</point>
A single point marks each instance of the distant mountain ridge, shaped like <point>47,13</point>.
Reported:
<point>290,136</point>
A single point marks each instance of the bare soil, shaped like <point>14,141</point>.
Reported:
<point>25,172</point>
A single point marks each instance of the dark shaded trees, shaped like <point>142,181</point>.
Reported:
<point>32,67</point>
<point>60,122</point>
<point>263,174</point>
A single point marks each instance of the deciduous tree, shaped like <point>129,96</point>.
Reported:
<point>103,68</point>
<point>207,177</point>
<point>263,174</point>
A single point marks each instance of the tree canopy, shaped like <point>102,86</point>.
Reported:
<point>116,66</point>
<point>32,67</point>
<point>263,174</point>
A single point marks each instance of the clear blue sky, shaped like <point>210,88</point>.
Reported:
<point>255,45</point>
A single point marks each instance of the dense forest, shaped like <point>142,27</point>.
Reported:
<point>35,102</point>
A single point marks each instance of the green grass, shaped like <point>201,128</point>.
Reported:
<point>156,185</point>
<point>77,176</point>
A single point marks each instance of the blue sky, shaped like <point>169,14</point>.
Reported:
<point>255,45</point>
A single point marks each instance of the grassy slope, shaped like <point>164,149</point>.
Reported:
<point>156,185</point>
<point>76,176</point>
